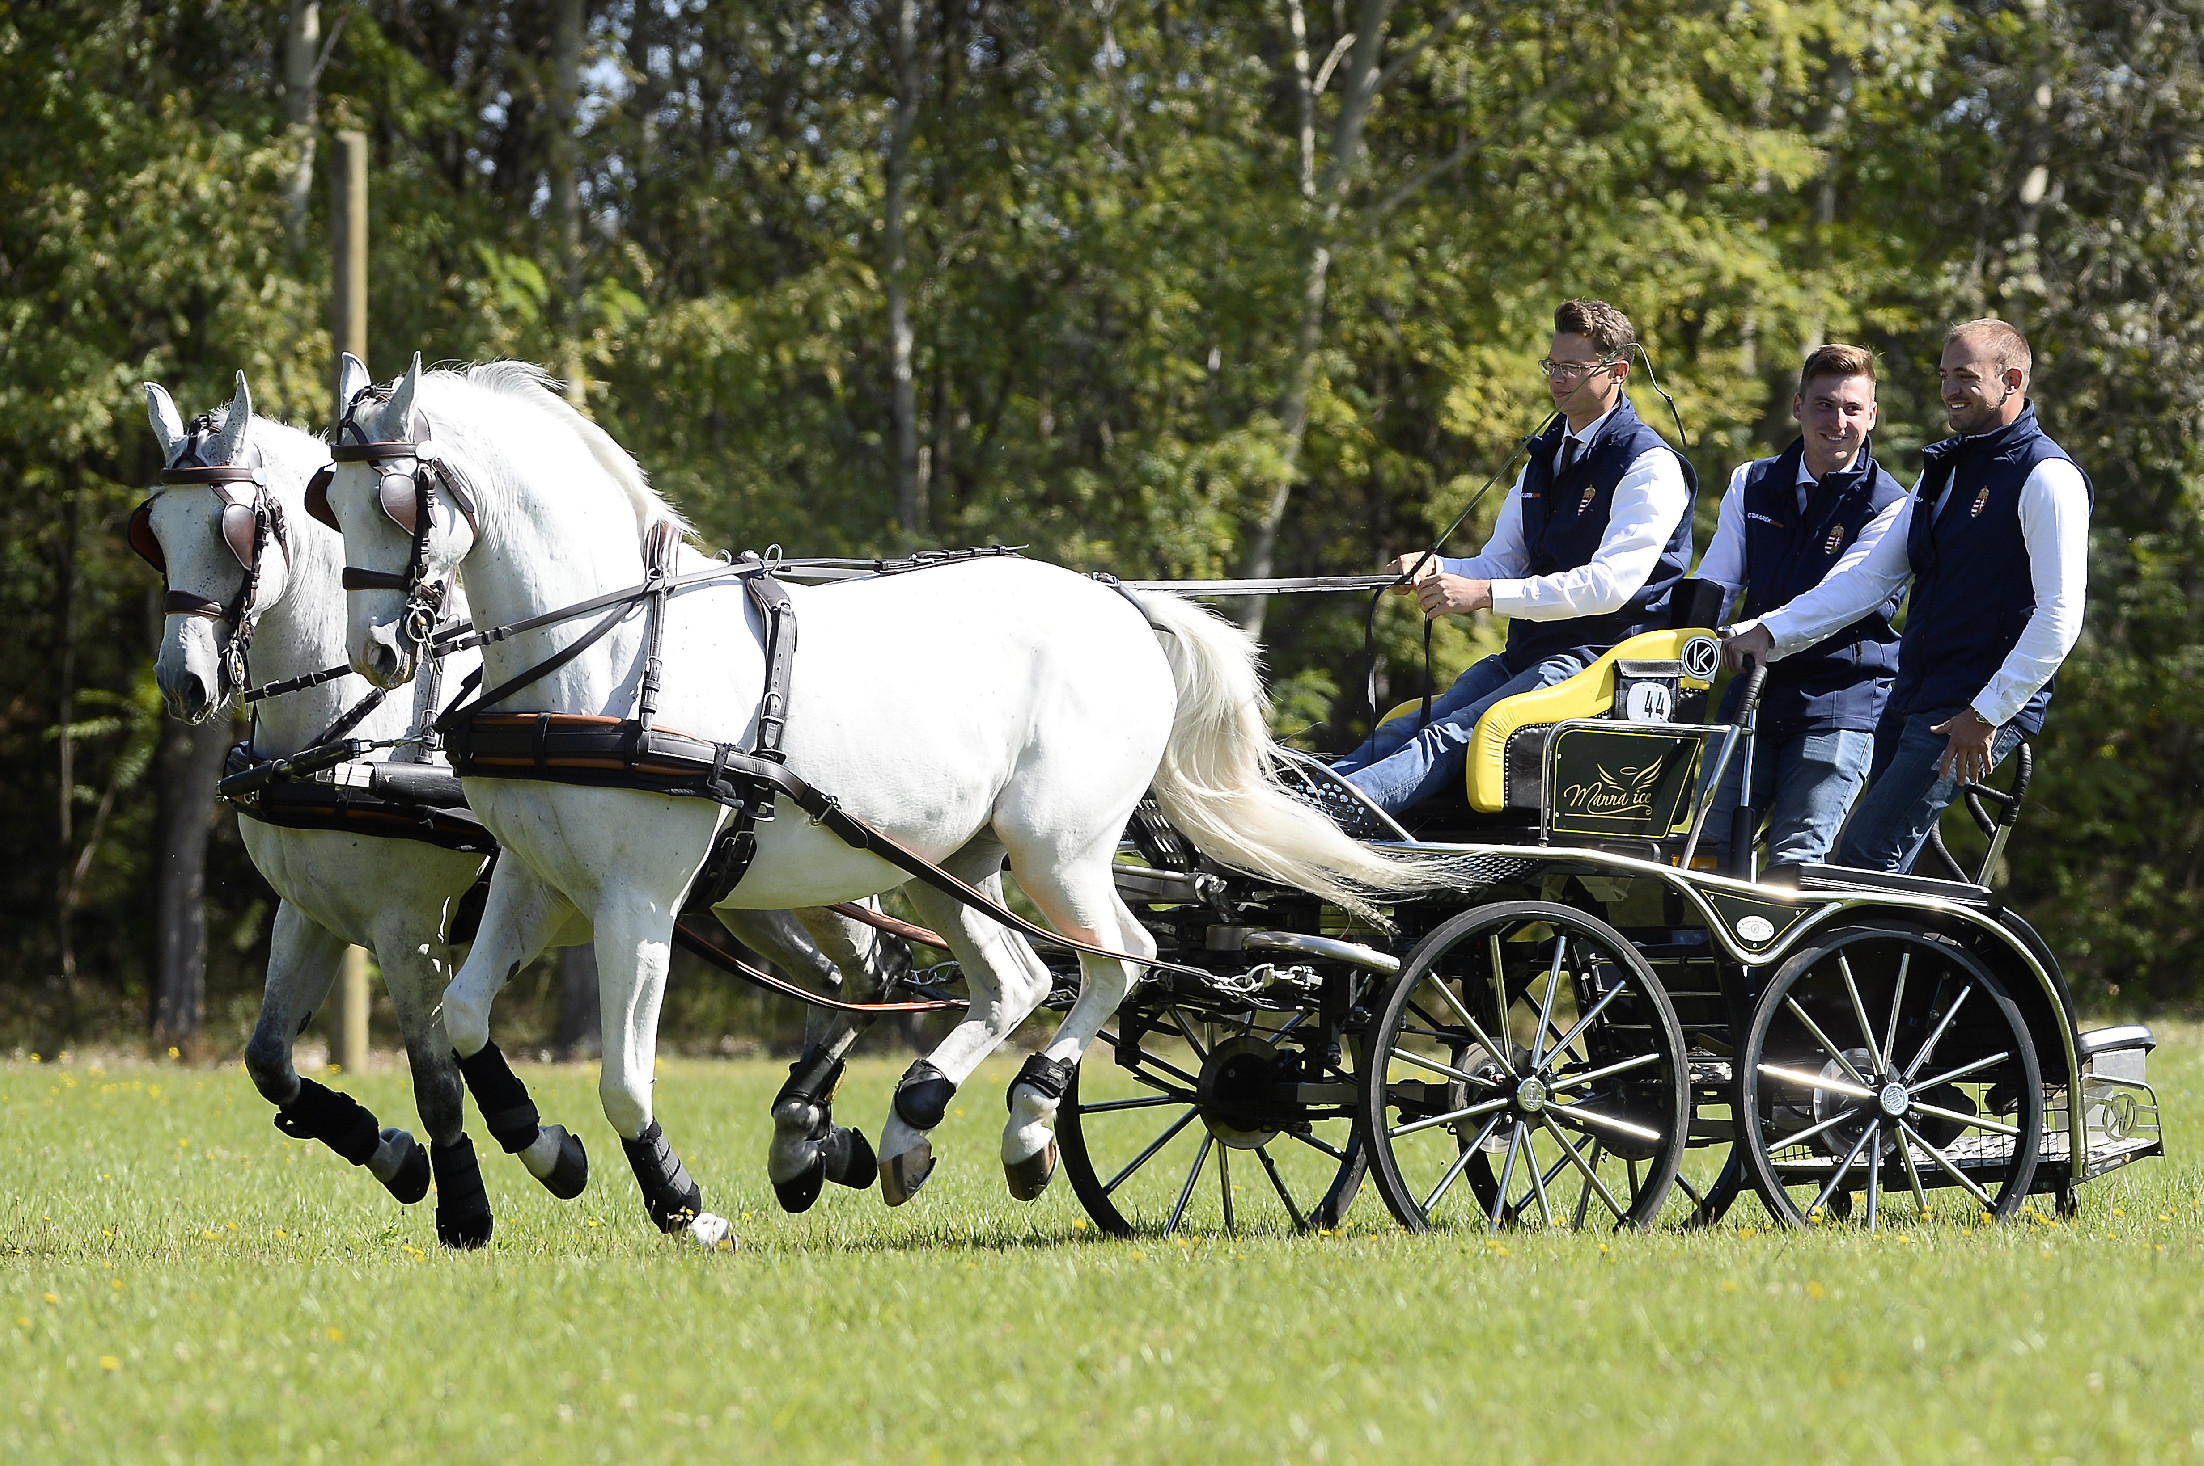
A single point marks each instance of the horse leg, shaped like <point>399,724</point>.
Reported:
<point>1080,900</point>
<point>874,962</point>
<point>634,942</point>
<point>808,1149</point>
<point>1006,982</point>
<point>303,958</point>
<point>520,918</point>
<point>415,975</point>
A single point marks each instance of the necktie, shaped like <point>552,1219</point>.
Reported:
<point>1569,447</point>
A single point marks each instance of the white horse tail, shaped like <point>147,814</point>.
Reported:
<point>1218,782</point>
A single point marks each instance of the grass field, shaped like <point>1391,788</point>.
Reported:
<point>178,1282</point>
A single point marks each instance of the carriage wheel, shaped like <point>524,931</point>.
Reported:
<point>1884,1065</point>
<point>1197,1122</point>
<point>1525,1066</point>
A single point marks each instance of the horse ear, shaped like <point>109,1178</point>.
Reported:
<point>229,444</point>
<point>351,377</point>
<point>400,414</point>
<point>168,423</point>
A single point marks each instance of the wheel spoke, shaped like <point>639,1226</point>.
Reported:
<point>1317,1142</point>
<point>1827,1044</point>
<point>1591,1171</point>
<point>1594,1117</point>
<point>1507,1176</point>
<point>1584,1188</point>
<point>1546,1010</point>
<point>1962,1071</point>
<point>1144,1102</point>
<point>1859,1013</point>
<point>1483,1107</point>
<point>1538,1182</point>
<point>1278,1184</point>
<point>1949,1169</point>
<point>1874,1178</point>
<point>1499,989</point>
<point>1186,1031</point>
<point>1461,1162</point>
<point>1186,1192</point>
<point>1817,1081</point>
<point>1571,1081</point>
<point>1979,1122</point>
<point>1145,1156</point>
<point>1450,1072</point>
<point>1844,1168</point>
<point>1476,1030</point>
<point>1930,1047</point>
<point>1224,1184</point>
<point>1913,1174</point>
<point>1813,1130</point>
<point>1589,1018</point>
<point>1897,999</point>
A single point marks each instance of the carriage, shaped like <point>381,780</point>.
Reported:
<point>1597,1028</point>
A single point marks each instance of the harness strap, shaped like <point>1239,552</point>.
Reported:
<point>453,715</point>
<point>697,934</point>
<point>778,614</point>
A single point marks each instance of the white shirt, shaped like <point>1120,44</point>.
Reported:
<point>1725,558</point>
<point>1647,504</point>
<point>2054,525</point>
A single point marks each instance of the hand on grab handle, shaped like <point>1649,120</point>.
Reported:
<point>1756,644</point>
<point>1968,753</point>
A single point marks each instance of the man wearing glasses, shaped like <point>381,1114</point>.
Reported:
<point>1786,522</point>
<point>1995,540</point>
<point>1590,541</point>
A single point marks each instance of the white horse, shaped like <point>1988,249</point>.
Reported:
<point>996,709</point>
<point>391,896</point>
<point>394,895</point>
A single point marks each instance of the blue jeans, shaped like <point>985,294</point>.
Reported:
<point>1402,764</point>
<point>1905,797</point>
<point>1802,786</point>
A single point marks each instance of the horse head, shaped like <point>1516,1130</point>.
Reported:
<point>408,517</point>
<point>219,539</point>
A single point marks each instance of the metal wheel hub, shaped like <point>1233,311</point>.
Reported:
<point>1240,1087</point>
<point>1894,1100</point>
<point>1530,1095</point>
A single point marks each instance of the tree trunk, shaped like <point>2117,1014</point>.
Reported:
<point>65,714</point>
<point>910,492</point>
<point>567,25</point>
<point>301,78</point>
<point>188,765</point>
<point>579,1034</point>
<point>1340,170</point>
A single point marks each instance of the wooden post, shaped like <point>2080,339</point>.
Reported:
<point>352,1012</point>
<point>348,250</point>
<point>348,332</point>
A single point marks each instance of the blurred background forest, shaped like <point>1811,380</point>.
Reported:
<point>1169,289</point>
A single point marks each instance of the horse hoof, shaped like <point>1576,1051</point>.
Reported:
<point>569,1174</point>
<point>799,1191</point>
<point>409,1178</point>
<point>713,1233</point>
<point>849,1158</point>
<point>1030,1177</point>
<point>902,1175</point>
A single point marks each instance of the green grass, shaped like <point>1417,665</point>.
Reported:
<point>180,1283</point>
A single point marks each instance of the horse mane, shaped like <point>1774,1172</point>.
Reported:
<point>533,386</point>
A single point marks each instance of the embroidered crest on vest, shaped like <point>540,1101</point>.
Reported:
<point>1981,502</point>
<point>1836,538</point>
<point>1591,492</point>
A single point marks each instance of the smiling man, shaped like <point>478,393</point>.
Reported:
<point>1590,541</point>
<point>1995,540</point>
<point>1785,523</point>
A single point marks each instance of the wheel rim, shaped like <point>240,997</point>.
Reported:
<point>1206,1123</point>
<point>1889,1075</point>
<point>1526,1068</point>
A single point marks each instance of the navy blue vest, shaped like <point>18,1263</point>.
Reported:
<point>1565,518</point>
<point>1842,681</point>
<point>1972,591</point>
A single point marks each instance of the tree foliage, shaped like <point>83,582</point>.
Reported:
<point>1112,215</point>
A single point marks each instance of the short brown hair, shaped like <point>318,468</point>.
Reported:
<point>1836,360</point>
<point>2007,346</point>
<point>1597,322</point>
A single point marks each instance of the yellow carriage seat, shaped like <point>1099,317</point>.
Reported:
<point>1505,748</point>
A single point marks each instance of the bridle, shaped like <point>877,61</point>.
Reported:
<point>248,523</point>
<point>404,495</point>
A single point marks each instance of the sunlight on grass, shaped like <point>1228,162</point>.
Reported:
<point>182,1282</point>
